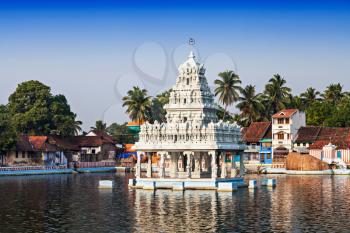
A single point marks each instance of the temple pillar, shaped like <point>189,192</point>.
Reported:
<point>214,168</point>
<point>241,164</point>
<point>182,159</point>
<point>223,165</point>
<point>174,164</point>
<point>138,165</point>
<point>161,165</point>
<point>233,166</point>
<point>149,165</point>
<point>189,155</point>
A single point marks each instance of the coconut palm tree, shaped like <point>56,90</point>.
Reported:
<point>334,93</point>
<point>100,126</point>
<point>250,105</point>
<point>277,93</point>
<point>138,104</point>
<point>309,96</point>
<point>77,127</point>
<point>227,88</point>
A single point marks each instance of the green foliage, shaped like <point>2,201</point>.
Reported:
<point>7,134</point>
<point>227,88</point>
<point>157,108</point>
<point>138,104</point>
<point>221,113</point>
<point>121,133</point>
<point>35,111</point>
<point>277,93</point>
<point>250,106</point>
<point>100,126</point>
<point>318,112</point>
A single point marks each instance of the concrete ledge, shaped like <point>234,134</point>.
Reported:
<point>131,182</point>
<point>269,182</point>
<point>36,172</point>
<point>149,185</point>
<point>227,187</point>
<point>178,186</point>
<point>96,169</point>
<point>105,184</point>
<point>252,184</point>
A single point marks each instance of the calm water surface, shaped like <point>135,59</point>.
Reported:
<point>73,203</point>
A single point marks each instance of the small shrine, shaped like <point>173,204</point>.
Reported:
<point>192,135</point>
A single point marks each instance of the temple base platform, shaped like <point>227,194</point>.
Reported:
<point>180,184</point>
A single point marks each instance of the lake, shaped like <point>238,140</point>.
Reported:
<point>73,203</point>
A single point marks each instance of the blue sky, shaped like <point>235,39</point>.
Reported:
<point>93,52</point>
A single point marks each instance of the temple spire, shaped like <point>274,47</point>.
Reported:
<point>191,55</point>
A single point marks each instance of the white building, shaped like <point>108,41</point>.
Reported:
<point>192,136</point>
<point>285,126</point>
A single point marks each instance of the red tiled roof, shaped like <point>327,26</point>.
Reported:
<point>64,143</point>
<point>308,134</point>
<point>243,130</point>
<point>340,137</point>
<point>285,113</point>
<point>103,135</point>
<point>134,123</point>
<point>128,148</point>
<point>23,144</point>
<point>40,143</point>
<point>256,131</point>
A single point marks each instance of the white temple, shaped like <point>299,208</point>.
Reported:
<point>192,136</point>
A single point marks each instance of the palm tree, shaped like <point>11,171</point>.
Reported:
<point>138,104</point>
<point>100,126</point>
<point>334,93</point>
<point>277,93</point>
<point>309,96</point>
<point>77,127</point>
<point>227,88</point>
<point>249,105</point>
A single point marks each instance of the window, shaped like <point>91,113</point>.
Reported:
<point>287,120</point>
<point>188,81</point>
<point>304,144</point>
<point>16,154</point>
<point>288,136</point>
<point>185,119</point>
<point>23,154</point>
<point>298,144</point>
<point>268,156</point>
<point>280,136</point>
<point>93,151</point>
<point>184,101</point>
<point>280,121</point>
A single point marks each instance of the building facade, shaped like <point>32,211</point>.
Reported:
<point>192,135</point>
<point>258,139</point>
<point>285,126</point>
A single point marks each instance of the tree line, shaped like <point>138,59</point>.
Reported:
<point>328,108</point>
<point>33,110</point>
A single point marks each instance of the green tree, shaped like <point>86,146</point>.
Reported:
<point>310,96</point>
<point>250,105</point>
<point>157,108</point>
<point>35,111</point>
<point>7,134</point>
<point>227,88</point>
<point>296,102</point>
<point>221,113</point>
<point>318,113</point>
<point>121,133</point>
<point>334,93</point>
<point>340,117</point>
<point>138,104</point>
<point>277,93</point>
<point>99,126</point>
